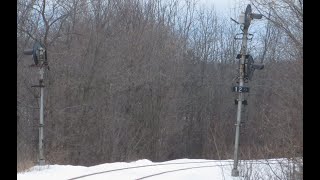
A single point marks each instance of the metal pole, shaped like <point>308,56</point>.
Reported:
<point>40,58</point>
<point>41,156</point>
<point>235,171</point>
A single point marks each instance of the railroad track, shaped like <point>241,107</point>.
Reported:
<point>182,169</point>
<point>174,170</point>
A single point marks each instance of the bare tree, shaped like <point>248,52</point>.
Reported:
<point>151,79</point>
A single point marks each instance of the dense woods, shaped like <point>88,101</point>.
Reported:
<point>133,79</point>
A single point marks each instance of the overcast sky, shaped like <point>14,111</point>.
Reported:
<point>219,4</point>
<point>225,6</point>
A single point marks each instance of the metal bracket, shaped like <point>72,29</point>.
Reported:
<point>237,38</point>
<point>250,36</point>
<point>244,102</point>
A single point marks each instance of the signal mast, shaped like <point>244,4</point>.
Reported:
<point>39,54</point>
<point>246,69</point>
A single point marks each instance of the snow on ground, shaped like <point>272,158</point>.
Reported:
<point>218,170</point>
